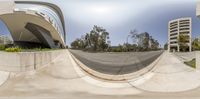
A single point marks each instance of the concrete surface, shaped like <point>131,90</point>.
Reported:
<point>64,79</point>
<point>198,60</point>
<point>3,77</point>
<point>57,80</point>
<point>185,56</point>
<point>116,63</point>
<point>172,75</point>
<point>25,61</point>
<point>137,71</point>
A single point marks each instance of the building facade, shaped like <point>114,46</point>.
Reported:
<point>178,29</point>
<point>4,39</point>
<point>147,41</point>
<point>34,23</point>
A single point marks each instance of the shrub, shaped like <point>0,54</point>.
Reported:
<point>191,63</point>
<point>13,49</point>
<point>116,50</point>
<point>2,47</point>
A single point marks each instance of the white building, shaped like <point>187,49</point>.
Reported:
<point>34,23</point>
<point>5,40</point>
<point>177,27</point>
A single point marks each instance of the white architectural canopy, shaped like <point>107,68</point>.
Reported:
<point>33,22</point>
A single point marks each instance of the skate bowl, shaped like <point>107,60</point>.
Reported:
<point>116,66</point>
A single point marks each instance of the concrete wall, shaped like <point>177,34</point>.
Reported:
<point>26,61</point>
<point>198,59</point>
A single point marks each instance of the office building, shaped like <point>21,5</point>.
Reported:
<point>34,23</point>
<point>178,29</point>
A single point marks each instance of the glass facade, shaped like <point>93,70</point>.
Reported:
<point>53,16</point>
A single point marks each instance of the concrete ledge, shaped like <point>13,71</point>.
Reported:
<point>198,59</point>
<point>26,61</point>
<point>3,77</point>
<point>110,77</point>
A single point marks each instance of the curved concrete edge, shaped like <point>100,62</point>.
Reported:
<point>171,76</point>
<point>180,86</point>
<point>95,81</point>
<point>151,81</point>
<point>3,77</point>
<point>123,77</point>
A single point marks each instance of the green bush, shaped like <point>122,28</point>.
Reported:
<point>13,49</point>
<point>191,63</point>
<point>2,47</point>
<point>116,50</point>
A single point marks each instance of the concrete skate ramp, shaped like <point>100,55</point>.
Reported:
<point>61,78</point>
<point>116,63</point>
<point>64,78</point>
<point>171,75</point>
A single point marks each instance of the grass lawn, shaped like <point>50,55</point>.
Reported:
<point>191,63</point>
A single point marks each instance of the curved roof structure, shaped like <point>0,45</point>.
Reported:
<point>34,22</point>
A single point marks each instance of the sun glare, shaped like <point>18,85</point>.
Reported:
<point>100,10</point>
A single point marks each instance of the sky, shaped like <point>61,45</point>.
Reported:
<point>119,17</point>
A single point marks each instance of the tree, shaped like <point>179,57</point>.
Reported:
<point>134,35</point>
<point>87,40</point>
<point>96,40</point>
<point>166,46</point>
<point>183,40</point>
<point>154,44</point>
<point>77,44</point>
<point>196,44</point>
<point>145,43</point>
